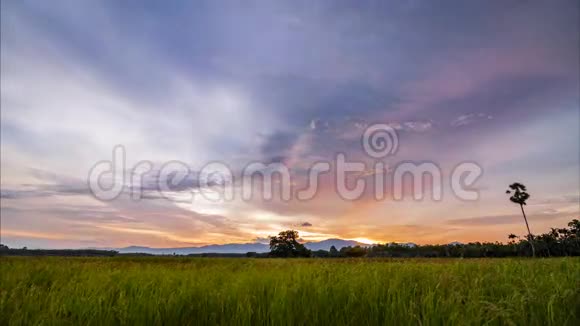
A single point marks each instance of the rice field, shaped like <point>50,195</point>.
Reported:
<point>214,291</point>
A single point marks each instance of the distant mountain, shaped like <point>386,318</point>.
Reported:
<point>235,248</point>
<point>230,248</point>
<point>337,243</point>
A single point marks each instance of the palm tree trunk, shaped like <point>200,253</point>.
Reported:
<point>530,236</point>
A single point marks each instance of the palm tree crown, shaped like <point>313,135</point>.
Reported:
<point>520,195</point>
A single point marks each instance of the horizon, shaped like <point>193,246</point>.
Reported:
<point>222,244</point>
<point>127,123</point>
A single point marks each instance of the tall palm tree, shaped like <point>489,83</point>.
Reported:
<point>519,197</point>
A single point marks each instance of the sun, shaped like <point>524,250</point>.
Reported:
<point>364,240</point>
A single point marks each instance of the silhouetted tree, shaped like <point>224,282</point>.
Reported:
<point>333,251</point>
<point>520,196</point>
<point>575,227</point>
<point>286,245</point>
<point>512,237</point>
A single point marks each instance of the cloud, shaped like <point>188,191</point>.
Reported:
<point>510,218</point>
<point>467,119</point>
<point>264,240</point>
<point>418,126</point>
<point>44,191</point>
<point>565,199</point>
<point>306,224</point>
<point>152,185</point>
<point>73,86</point>
<point>59,185</point>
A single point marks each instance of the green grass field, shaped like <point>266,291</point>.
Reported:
<point>202,291</point>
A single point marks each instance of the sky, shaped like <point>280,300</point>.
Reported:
<point>496,83</point>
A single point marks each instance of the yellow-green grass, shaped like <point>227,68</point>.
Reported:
<point>207,291</point>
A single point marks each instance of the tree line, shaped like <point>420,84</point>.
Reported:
<point>557,242</point>
<point>6,251</point>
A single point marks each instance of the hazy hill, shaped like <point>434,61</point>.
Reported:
<point>236,248</point>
